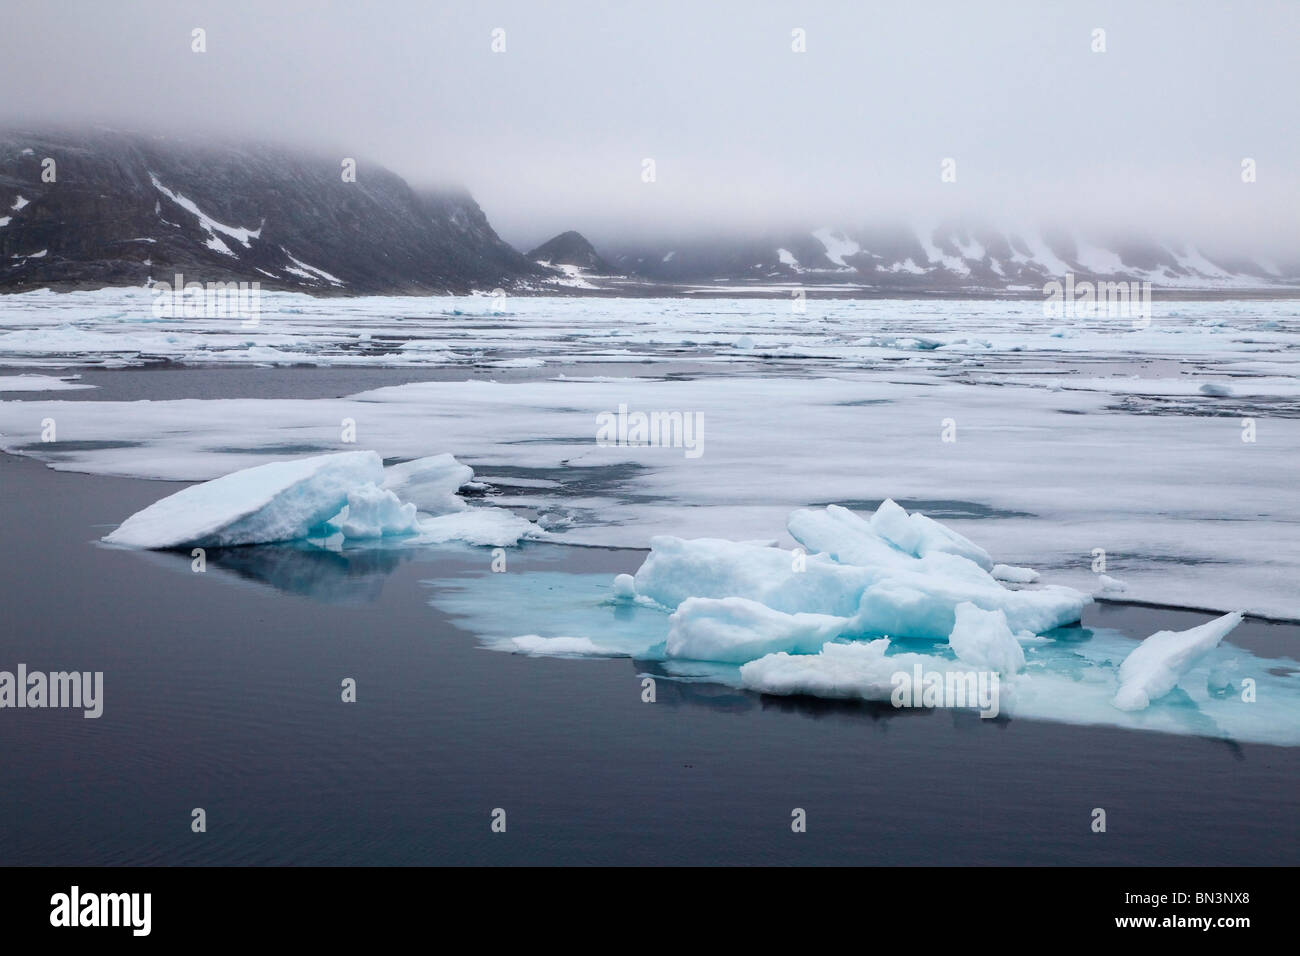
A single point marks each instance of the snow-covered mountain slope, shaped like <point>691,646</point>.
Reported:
<point>105,208</point>
<point>944,258</point>
<point>111,208</point>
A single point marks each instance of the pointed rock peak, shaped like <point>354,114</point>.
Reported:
<point>571,249</point>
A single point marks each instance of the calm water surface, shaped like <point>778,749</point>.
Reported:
<point>222,692</point>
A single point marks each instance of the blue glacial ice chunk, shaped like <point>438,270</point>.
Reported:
<point>983,640</point>
<point>348,494</point>
<point>855,573</point>
<point>914,590</point>
<point>677,569</point>
<point>279,501</point>
<point>374,512</point>
<point>917,535</point>
<point>485,527</point>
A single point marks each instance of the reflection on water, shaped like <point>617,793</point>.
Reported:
<point>223,690</point>
<point>556,591</point>
<point>345,576</point>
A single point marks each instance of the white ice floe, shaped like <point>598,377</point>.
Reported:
<point>527,362</point>
<point>40,383</point>
<point>861,386</point>
<point>487,527</point>
<point>278,501</point>
<point>319,497</point>
<point>1070,676</point>
<point>1158,663</point>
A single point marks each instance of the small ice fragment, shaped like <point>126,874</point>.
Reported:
<point>624,587</point>
<point>838,671</point>
<point>1028,638</point>
<point>1014,575</point>
<point>485,527</point>
<point>1156,665</point>
<point>1222,681</point>
<point>374,512</point>
<point>429,483</point>
<point>535,645</point>
<point>1216,389</point>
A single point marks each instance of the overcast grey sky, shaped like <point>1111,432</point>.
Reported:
<point>550,135</point>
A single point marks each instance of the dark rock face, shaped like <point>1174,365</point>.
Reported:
<point>124,208</point>
<point>571,249</point>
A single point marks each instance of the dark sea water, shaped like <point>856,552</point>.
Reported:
<point>222,691</point>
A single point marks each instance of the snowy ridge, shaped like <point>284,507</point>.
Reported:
<point>947,258</point>
<point>146,208</point>
<point>241,235</point>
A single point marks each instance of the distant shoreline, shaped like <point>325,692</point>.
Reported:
<point>781,293</point>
